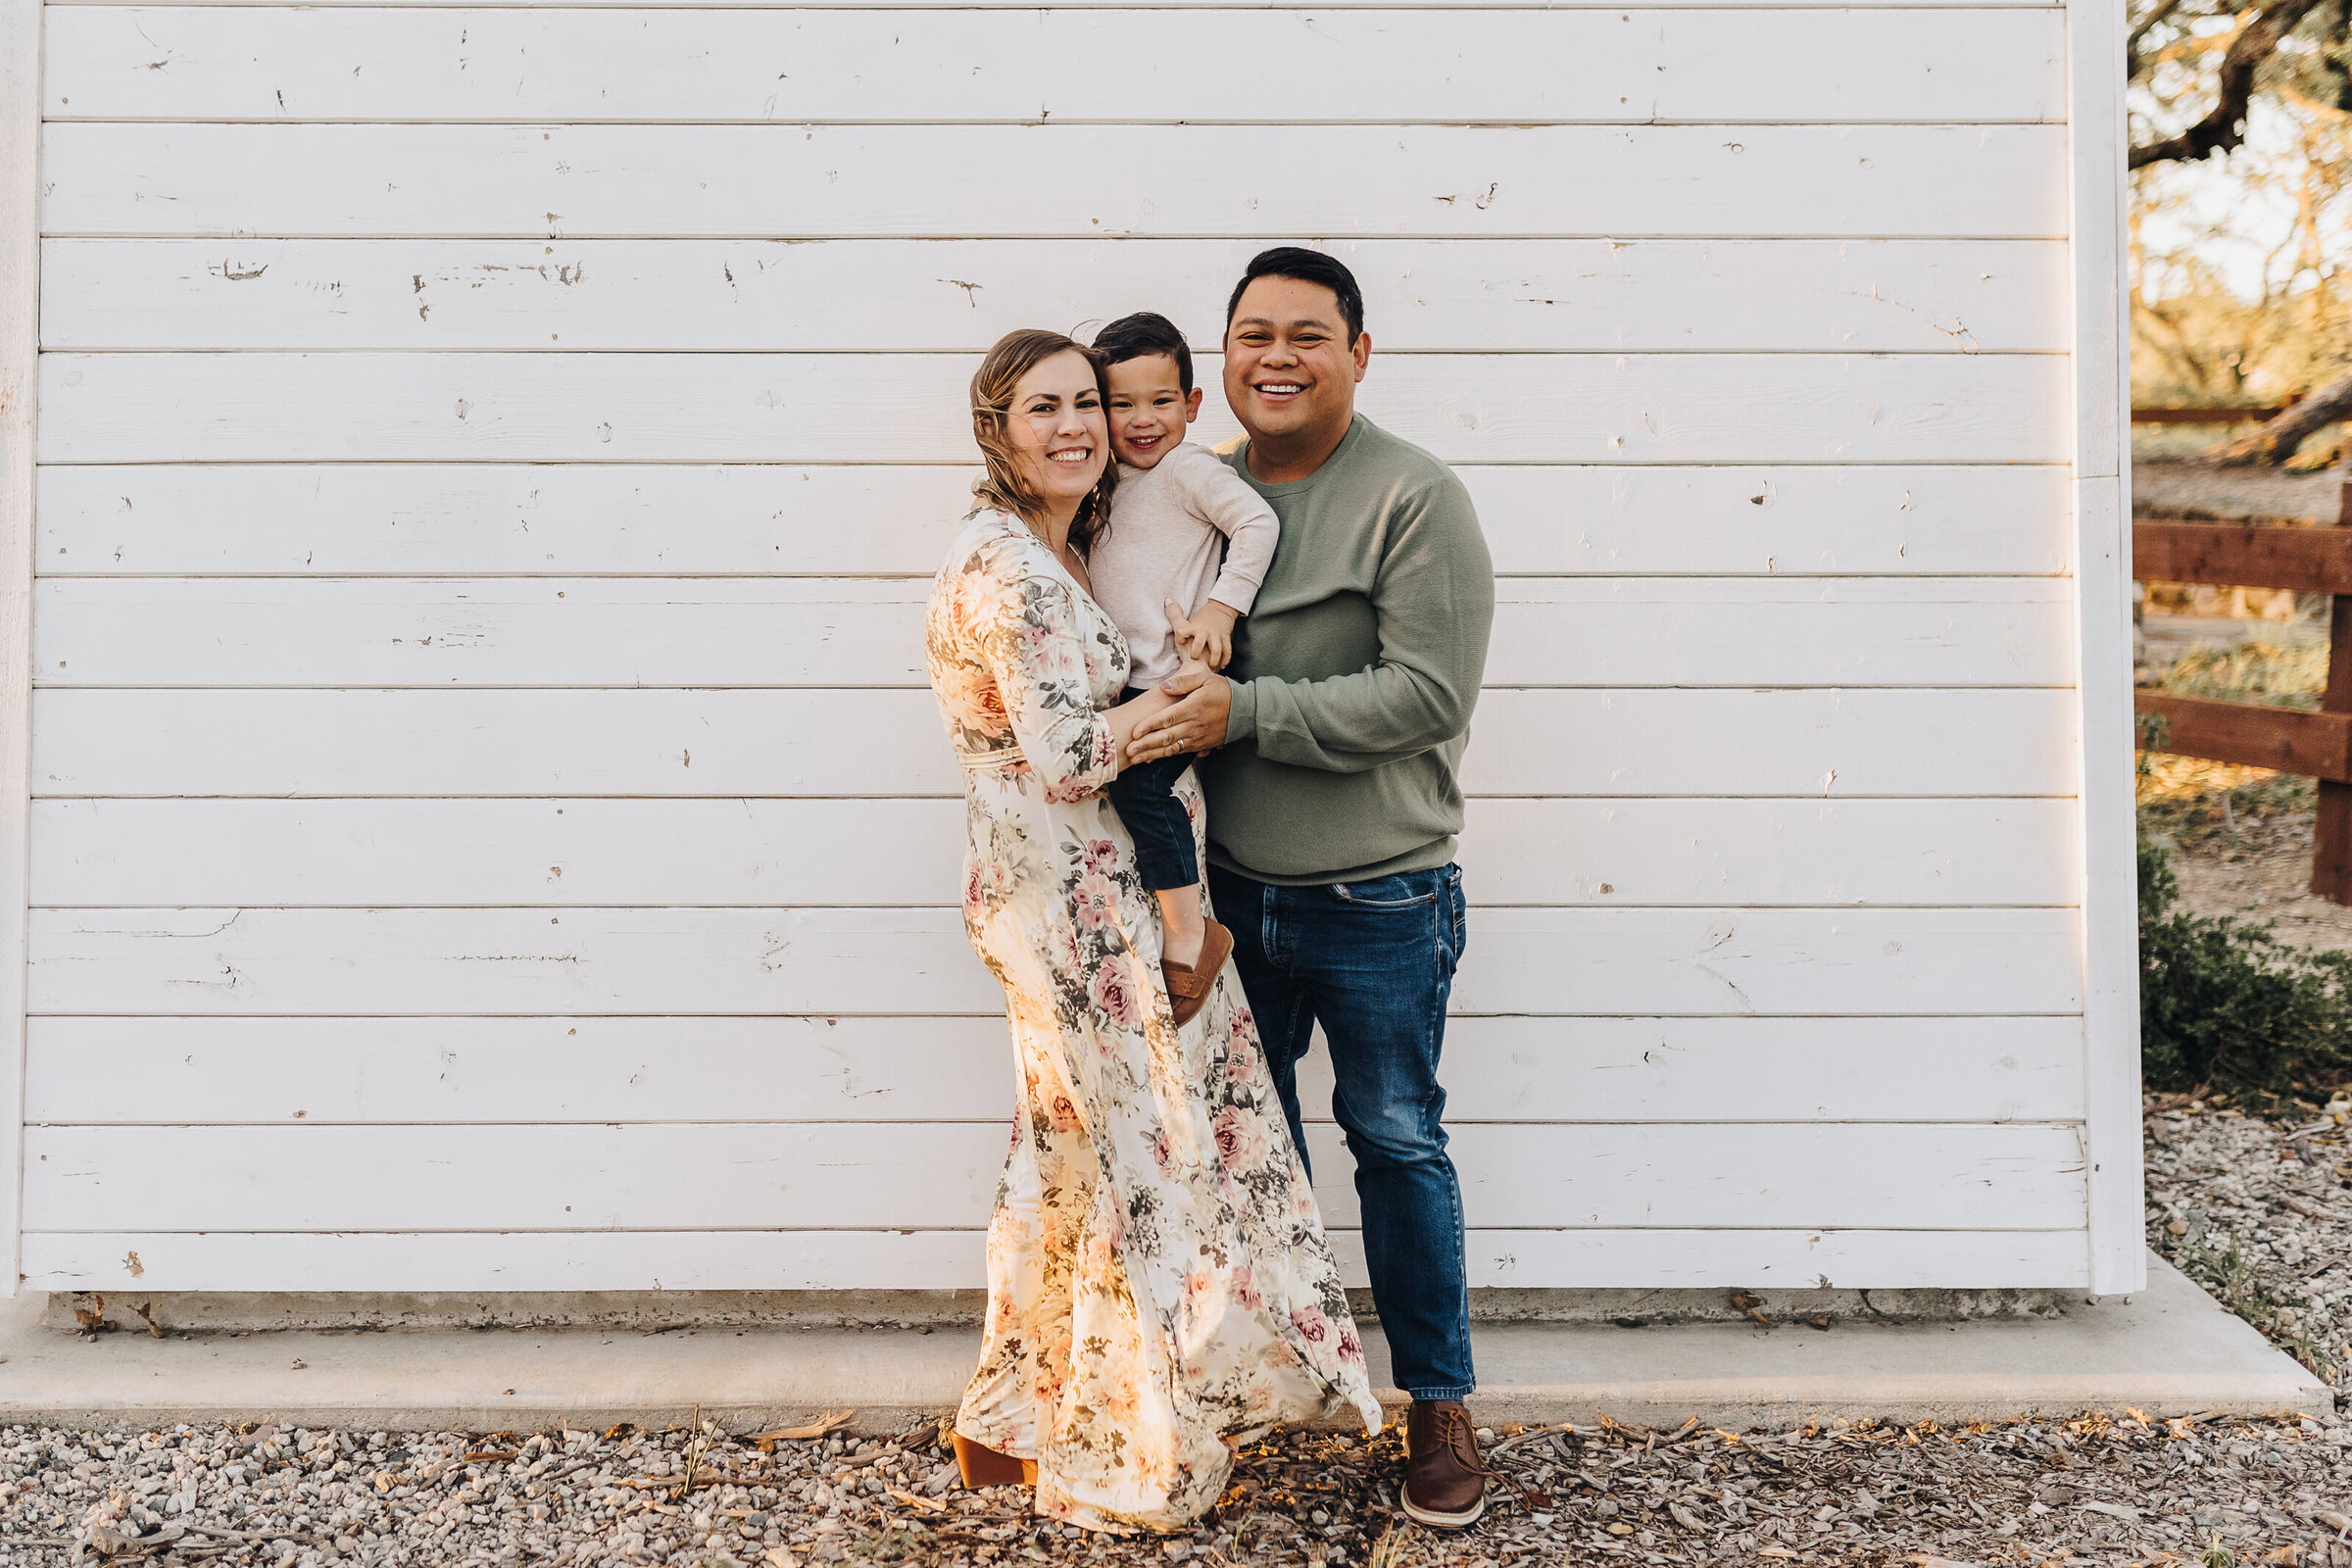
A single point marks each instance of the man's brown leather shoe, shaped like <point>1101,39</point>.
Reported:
<point>1444,1479</point>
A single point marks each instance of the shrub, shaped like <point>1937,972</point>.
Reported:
<point>2225,1004</point>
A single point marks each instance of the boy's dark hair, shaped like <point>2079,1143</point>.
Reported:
<point>1145,333</point>
<point>1308,267</point>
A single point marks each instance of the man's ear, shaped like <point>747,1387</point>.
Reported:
<point>1191,405</point>
<point>1362,352</point>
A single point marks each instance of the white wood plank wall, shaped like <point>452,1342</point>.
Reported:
<point>491,456</point>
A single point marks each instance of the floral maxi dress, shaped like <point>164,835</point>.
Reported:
<point>1157,1273</point>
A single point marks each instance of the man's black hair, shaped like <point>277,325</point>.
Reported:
<point>1145,333</point>
<point>1308,267</point>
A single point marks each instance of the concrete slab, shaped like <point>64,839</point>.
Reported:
<point>2170,1350</point>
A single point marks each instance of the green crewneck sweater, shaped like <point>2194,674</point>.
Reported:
<point>1355,672</point>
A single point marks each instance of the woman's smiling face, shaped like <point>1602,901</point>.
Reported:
<point>1056,426</point>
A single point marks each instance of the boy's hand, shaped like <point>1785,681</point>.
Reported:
<point>1207,634</point>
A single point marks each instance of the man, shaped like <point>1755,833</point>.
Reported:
<point>1334,803</point>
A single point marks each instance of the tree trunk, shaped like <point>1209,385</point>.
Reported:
<point>2276,442</point>
<point>2224,126</point>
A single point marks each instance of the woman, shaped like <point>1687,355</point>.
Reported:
<point>1157,1275</point>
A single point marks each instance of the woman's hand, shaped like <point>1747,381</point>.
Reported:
<point>1131,715</point>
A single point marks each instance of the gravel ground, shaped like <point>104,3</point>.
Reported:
<point>2259,1211</point>
<point>2042,1492</point>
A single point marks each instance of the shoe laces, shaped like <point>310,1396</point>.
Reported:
<point>1455,1431</point>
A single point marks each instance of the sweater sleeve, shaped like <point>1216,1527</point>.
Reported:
<point>1434,596</point>
<point>1223,498</point>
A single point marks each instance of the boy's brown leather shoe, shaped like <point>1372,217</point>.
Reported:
<point>1189,985</point>
<point>1444,1479</point>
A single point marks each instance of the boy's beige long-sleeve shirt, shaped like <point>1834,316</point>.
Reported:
<point>1356,672</point>
<point>1168,539</point>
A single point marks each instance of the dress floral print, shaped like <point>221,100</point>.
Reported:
<point>1158,1274</point>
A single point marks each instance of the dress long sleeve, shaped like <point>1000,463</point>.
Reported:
<point>1016,659</point>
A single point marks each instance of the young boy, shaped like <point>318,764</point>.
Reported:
<point>1166,572</point>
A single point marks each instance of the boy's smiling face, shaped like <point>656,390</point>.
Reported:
<point>1149,409</point>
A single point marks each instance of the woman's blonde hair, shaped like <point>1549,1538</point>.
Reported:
<point>1005,486</point>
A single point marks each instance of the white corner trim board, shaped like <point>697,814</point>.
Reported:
<point>19,311</point>
<point>2103,588</point>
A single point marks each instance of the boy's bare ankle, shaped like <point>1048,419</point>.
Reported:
<point>1183,928</point>
<point>1184,947</point>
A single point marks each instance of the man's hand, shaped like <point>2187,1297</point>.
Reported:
<point>1207,634</point>
<point>1195,723</point>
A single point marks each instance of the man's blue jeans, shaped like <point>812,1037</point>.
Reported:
<point>1373,961</point>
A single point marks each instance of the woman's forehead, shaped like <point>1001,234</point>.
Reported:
<point>1063,373</point>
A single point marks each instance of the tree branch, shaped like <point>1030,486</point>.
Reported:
<point>2276,442</point>
<point>2156,18</point>
<point>2225,126</point>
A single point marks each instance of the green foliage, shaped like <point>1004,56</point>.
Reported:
<point>2224,1003</point>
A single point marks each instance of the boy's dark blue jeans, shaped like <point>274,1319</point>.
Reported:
<point>1373,961</point>
<point>1144,794</point>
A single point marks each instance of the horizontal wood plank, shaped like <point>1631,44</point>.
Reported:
<point>1897,296</point>
<point>818,1175</point>
<point>489,743</point>
<point>470,520</point>
<point>793,182</point>
<point>1822,743</point>
<point>800,1260</point>
<point>2312,561</point>
<point>705,632</point>
<point>902,407</point>
<point>526,961</point>
<point>817,67</point>
<point>2315,745</point>
<point>228,1071</point>
<point>1620,852</point>
<point>560,853</point>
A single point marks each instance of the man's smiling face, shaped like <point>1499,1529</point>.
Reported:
<point>1288,367</point>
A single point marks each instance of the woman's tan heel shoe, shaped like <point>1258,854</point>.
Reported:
<point>1189,985</point>
<point>983,1466</point>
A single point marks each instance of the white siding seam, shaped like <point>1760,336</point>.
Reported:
<point>978,1230</point>
<point>784,905</point>
<point>1749,465</point>
<point>426,1016</point>
<point>52,575</point>
<point>1448,123</point>
<point>541,236</point>
<point>1200,356</point>
<point>1119,5</point>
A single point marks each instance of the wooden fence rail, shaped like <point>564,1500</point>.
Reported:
<point>2208,415</point>
<point>2315,745</point>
